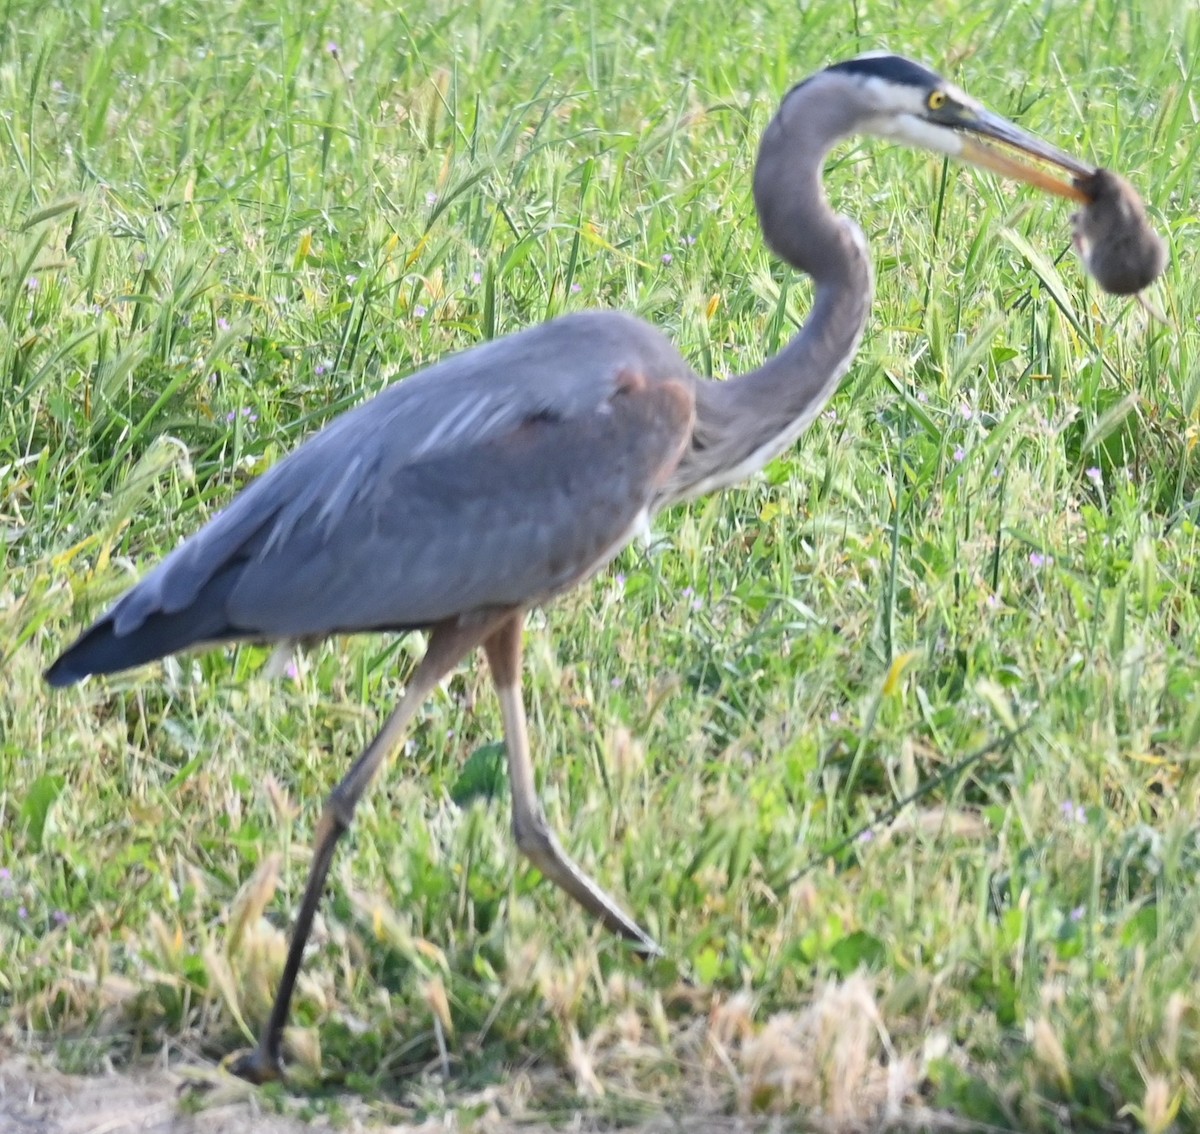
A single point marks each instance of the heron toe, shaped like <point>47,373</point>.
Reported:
<point>256,1066</point>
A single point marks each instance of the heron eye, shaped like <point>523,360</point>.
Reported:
<point>936,100</point>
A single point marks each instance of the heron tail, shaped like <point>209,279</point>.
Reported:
<point>100,649</point>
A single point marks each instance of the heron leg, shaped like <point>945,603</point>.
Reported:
<point>534,838</point>
<point>448,644</point>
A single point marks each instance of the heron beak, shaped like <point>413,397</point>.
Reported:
<point>978,130</point>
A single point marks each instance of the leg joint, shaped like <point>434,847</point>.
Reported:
<point>532,833</point>
<point>338,813</point>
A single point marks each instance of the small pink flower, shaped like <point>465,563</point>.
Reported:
<point>1072,812</point>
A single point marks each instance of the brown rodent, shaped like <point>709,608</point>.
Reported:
<point>1114,238</point>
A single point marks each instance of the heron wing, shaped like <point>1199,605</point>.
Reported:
<point>509,521</point>
<point>494,479</point>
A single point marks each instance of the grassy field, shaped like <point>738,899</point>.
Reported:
<point>895,749</point>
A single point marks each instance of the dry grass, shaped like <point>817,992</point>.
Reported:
<point>832,1063</point>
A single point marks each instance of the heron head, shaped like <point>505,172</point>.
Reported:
<point>893,97</point>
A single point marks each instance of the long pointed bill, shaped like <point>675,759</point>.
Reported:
<point>985,125</point>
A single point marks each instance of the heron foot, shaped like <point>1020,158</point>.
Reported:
<point>645,948</point>
<point>256,1066</point>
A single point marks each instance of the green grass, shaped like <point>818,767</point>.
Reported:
<point>223,225</point>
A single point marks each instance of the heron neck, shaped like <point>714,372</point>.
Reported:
<point>743,423</point>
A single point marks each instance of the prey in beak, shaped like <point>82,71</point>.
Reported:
<point>1112,233</point>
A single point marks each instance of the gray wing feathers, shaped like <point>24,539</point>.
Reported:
<point>494,478</point>
<point>510,521</point>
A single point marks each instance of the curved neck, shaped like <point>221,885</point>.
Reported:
<point>743,423</point>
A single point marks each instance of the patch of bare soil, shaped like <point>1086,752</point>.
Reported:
<point>830,1069</point>
<point>35,1099</point>
<point>39,1100</point>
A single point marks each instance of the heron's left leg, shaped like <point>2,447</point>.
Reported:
<point>449,642</point>
<point>534,838</point>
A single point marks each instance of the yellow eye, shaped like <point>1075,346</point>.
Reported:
<point>936,100</point>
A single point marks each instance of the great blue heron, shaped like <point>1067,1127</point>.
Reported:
<point>462,496</point>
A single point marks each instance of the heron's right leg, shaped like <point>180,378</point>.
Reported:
<point>534,838</point>
<point>448,644</point>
